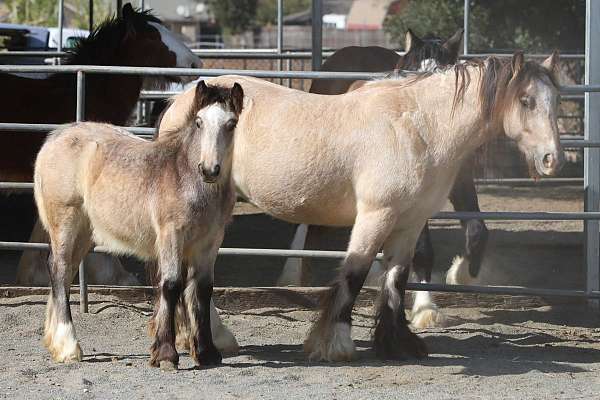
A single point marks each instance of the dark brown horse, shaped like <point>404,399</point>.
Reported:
<point>421,55</point>
<point>135,39</point>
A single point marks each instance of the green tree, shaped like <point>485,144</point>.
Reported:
<point>45,12</point>
<point>531,25</point>
<point>235,16</point>
<point>266,13</point>
<point>33,12</point>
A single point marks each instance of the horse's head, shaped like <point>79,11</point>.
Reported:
<point>528,104</point>
<point>148,43</point>
<point>213,118</point>
<point>430,52</point>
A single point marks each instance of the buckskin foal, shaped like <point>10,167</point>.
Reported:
<point>166,200</point>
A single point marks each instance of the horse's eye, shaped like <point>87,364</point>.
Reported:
<point>231,124</point>
<point>528,102</point>
<point>198,123</point>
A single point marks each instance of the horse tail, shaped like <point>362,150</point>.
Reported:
<point>39,198</point>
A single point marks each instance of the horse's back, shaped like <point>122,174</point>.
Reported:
<point>353,59</point>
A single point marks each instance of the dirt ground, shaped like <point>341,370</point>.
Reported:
<point>494,352</point>
<point>491,350</point>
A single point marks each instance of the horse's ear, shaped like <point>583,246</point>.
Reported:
<point>200,94</point>
<point>127,12</point>
<point>453,43</point>
<point>127,15</point>
<point>411,41</point>
<point>517,62</point>
<point>237,98</point>
<point>551,63</point>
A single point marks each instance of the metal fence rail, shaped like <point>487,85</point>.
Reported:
<point>82,70</point>
<point>272,54</point>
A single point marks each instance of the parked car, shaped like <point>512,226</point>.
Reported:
<point>16,37</point>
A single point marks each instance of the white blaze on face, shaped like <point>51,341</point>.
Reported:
<point>185,58</point>
<point>213,119</point>
<point>428,65</point>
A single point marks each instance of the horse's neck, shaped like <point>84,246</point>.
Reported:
<point>455,131</point>
<point>111,98</point>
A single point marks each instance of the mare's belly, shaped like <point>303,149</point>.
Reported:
<point>299,196</point>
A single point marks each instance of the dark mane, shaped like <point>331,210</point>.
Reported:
<point>100,44</point>
<point>211,94</point>
<point>431,48</point>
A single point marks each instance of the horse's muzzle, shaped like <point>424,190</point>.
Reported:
<point>549,164</point>
<point>209,175</point>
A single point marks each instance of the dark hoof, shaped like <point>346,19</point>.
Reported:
<point>167,366</point>
<point>165,355</point>
<point>398,344</point>
<point>208,357</point>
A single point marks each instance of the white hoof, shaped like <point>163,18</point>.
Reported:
<point>333,345</point>
<point>425,313</point>
<point>225,342</point>
<point>429,318</point>
<point>63,346</point>
<point>223,339</point>
<point>458,274</point>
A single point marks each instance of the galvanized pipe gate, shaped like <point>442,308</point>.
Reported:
<point>590,216</point>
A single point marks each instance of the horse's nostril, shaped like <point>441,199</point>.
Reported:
<point>548,160</point>
<point>216,170</point>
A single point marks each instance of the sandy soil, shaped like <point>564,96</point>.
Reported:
<point>489,352</point>
<point>541,352</point>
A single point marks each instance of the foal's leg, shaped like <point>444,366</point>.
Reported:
<point>163,351</point>
<point>463,197</point>
<point>393,338</point>
<point>70,240</point>
<point>197,299</point>
<point>330,336</point>
<point>425,313</point>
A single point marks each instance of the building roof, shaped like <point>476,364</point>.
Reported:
<point>367,14</point>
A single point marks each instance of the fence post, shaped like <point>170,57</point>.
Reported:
<point>592,155</point>
<point>61,22</point>
<point>317,34</point>
<point>280,36</point>
<point>466,13</point>
<point>80,116</point>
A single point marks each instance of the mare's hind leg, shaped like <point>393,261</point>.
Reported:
<point>163,352</point>
<point>463,197</point>
<point>330,336</point>
<point>197,297</point>
<point>425,313</point>
<point>70,240</point>
<point>295,270</point>
<point>32,269</point>
<point>392,337</point>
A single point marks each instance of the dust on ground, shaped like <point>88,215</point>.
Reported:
<point>542,352</point>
